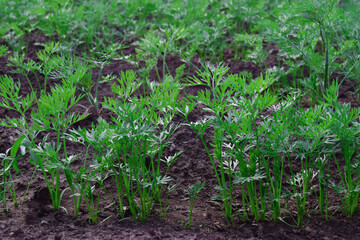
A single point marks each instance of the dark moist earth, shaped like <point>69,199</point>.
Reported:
<point>35,219</point>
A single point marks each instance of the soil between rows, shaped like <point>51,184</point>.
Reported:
<point>35,219</point>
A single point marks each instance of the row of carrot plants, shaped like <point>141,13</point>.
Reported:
<point>266,151</point>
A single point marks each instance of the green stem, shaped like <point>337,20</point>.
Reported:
<point>27,189</point>
<point>221,181</point>
<point>97,87</point>
<point>157,73</point>
<point>164,63</point>
<point>192,202</point>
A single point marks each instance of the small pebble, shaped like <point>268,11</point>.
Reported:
<point>206,215</point>
<point>172,147</point>
<point>44,222</point>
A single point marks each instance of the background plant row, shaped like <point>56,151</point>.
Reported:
<point>316,39</point>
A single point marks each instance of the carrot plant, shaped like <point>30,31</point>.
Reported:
<point>76,182</point>
<point>253,50</point>
<point>351,64</point>
<point>53,115</point>
<point>47,66</point>
<point>164,206</point>
<point>236,142</point>
<point>65,66</point>
<point>212,77</point>
<point>159,44</point>
<point>277,147</point>
<point>192,193</point>
<point>159,101</point>
<point>12,100</point>
<point>24,68</point>
<point>131,147</point>
<point>322,14</point>
<point>210,40</point>
<point>309,36</point>
<point>3,50</point>
<point>187,54</point>
<point>323,164</point>
<point>313,137</point>
<point>253,99</point>
<point>9,162</point>
<point>347,131</point>
<point>103,58</point>
<point>87,188</point>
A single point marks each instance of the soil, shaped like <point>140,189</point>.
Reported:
<point>35,218</point>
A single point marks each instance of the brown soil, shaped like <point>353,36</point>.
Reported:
<point>35,219</point>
